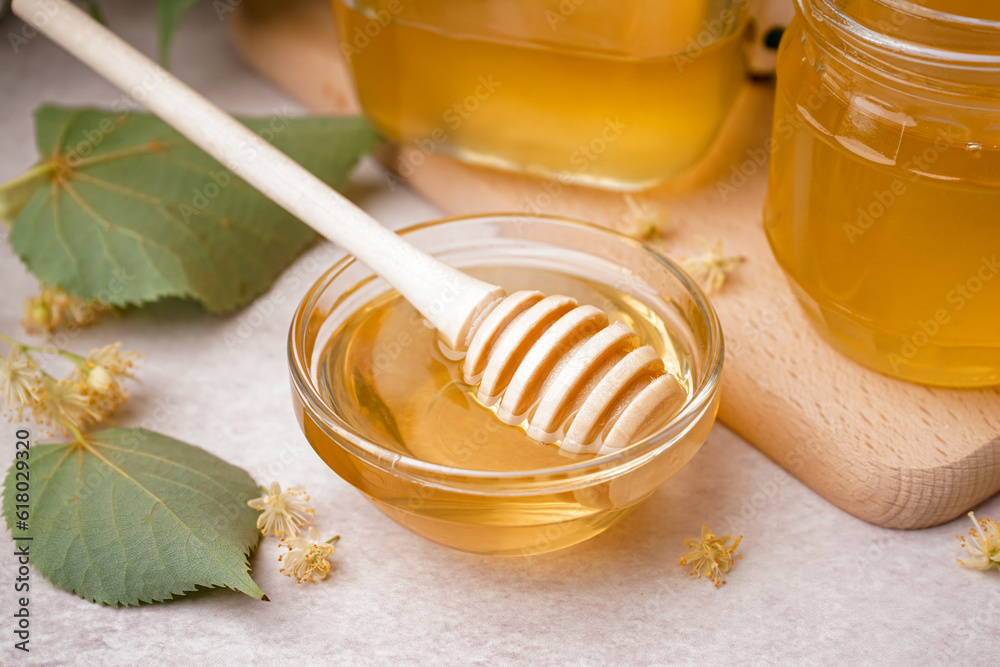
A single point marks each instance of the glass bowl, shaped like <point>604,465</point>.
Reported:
<point>530,511</point>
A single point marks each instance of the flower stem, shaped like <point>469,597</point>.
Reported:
<point>337,537</point>
<point>77,434</point>
<point>81,362</point>
<point>23,349</point>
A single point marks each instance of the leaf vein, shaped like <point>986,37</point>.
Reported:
<point>101,233</point>
<point>60,142</point>
<point>163,459</point>
<point>109,226</point>
<point>91,563</point>
<point>113,187</point>
<point>60,232</point>
<point>159,500</point>
<point>145,147</point>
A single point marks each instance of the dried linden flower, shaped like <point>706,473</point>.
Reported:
<point>306,559</point>
<point>283,513</point>
<point>101,375</point>
<point>55,308</point>
<point>985,544</point>
<point>709,269</point>
<point>100,380</point>
<point>112,360</point>
<point>89,395</point>
<point>709,556</point>
<point>644,219</point>
<point>63,404</point>
<point>18,382</point>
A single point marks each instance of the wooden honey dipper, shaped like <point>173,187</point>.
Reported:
<point>557,368</point>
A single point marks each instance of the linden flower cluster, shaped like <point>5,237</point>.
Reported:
<point>89,395</point>
<point>711,266</point>
<point>55,308</point>
<point>644,219</point>
<point>306,559</point>
<point>284,514</point>
<point>984,546</point>
<point>710,556</point>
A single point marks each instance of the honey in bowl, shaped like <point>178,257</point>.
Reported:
<point>386,408</point>
<point>621,94</point>
<point>385,372</point>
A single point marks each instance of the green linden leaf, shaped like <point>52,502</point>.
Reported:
<point>125,211</point>
<point>136,517</point>
<point>168,14</point>
<point>95,12</point>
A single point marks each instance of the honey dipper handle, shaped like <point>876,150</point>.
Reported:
<point>450,299</point>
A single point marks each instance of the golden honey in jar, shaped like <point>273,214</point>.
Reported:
<point>621,94</point>
<point>884,198</point>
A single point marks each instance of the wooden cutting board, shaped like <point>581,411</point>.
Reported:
<point>892,453</point>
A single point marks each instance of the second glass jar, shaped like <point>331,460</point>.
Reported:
<point>622,94</point>
<point>884,195</point>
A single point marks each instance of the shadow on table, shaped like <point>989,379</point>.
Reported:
<point>712,489</point>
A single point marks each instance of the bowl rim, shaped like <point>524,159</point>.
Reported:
<point>392,462</point>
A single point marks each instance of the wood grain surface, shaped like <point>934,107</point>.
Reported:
<point>895,454</point>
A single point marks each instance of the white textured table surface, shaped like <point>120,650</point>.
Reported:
<point>816,586</point>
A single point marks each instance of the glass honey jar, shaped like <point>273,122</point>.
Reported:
<point>883,206</point>
<point>620,94</point>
